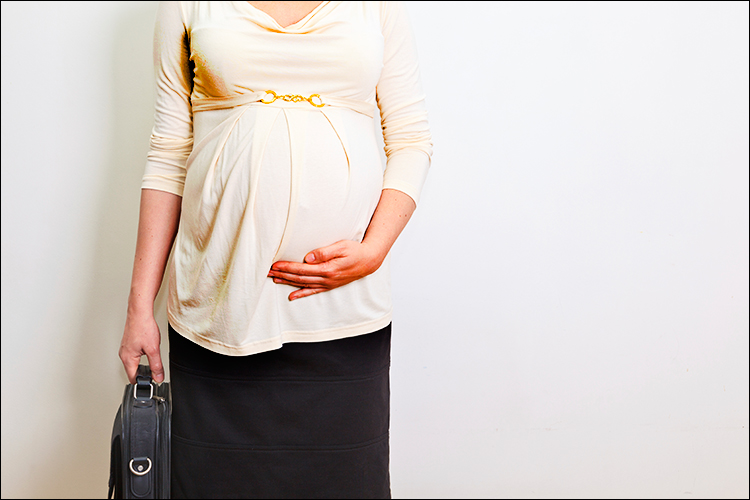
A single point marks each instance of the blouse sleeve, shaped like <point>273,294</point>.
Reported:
<point>172,135</point>
<point>406,133</point>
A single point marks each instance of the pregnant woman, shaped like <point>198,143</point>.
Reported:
<point>264,173</point>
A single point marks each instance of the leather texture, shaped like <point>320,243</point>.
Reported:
<point>140,456</point>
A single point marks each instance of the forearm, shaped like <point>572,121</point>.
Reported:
<point>391,216</point>
<point>157,226</point>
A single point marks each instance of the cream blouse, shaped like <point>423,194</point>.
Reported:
<point>264,180</point>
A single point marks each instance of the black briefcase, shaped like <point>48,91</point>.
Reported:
<point>140,461</point>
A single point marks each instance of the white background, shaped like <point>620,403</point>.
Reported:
<point>571,313</point>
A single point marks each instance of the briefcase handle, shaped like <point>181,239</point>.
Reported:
<point>143,383</point>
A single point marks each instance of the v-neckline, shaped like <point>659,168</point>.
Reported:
<point>293,25</point>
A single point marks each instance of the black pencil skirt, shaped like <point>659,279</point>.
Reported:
<point>309,420</point>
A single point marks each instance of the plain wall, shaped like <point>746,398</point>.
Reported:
<point>571,295</point>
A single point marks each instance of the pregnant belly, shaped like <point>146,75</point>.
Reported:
<point>286,181</point>
<point>335,184</point>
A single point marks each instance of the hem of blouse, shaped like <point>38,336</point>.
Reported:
<point>278,341</point>
<point>174,188</point>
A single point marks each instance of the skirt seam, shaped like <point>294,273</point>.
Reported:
<point>266,448</point>
<point>196,373</point>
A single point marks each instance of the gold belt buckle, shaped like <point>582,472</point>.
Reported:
<point>293,98</point>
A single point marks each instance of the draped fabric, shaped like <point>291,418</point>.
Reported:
<point>265,181</point>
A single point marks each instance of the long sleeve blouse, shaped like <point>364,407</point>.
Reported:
<point>268,134</point>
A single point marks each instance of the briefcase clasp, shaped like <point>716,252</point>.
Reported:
<point>139,466</point>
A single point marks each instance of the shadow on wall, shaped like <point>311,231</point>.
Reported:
<point>78,464</point>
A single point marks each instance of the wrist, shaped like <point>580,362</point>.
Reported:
<point>139,305</point>
<point>375,255</point>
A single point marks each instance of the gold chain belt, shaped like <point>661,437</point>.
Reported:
<point>293,98</point>
<point>269,96</point>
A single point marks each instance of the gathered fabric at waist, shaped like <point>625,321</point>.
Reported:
<point>271,98</point>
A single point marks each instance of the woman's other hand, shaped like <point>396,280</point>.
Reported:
<point>141,337</point>
<point>345,261</point>
<point>327,268</point>
<point>157,227</point>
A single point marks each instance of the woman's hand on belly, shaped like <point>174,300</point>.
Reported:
<point>345,261</point>
<point>327,268</point>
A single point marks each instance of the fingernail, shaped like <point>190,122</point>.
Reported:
<point>310,258</point>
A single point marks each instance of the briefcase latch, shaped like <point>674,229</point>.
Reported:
<point>142,384</point>
<point>140,466</point>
